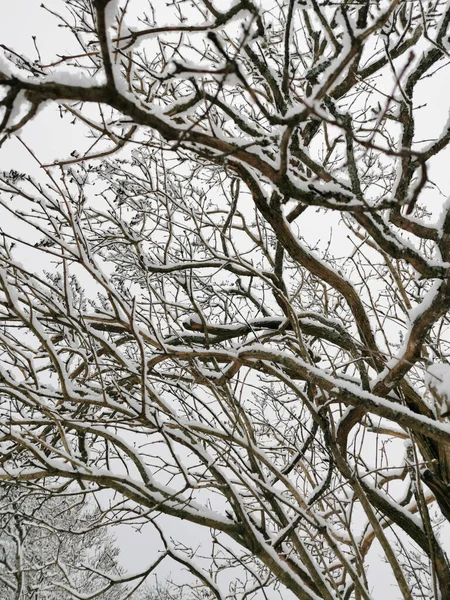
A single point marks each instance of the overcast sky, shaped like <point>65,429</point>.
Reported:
<point>51,138</point>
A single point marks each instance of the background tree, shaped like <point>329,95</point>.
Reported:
<point>51,545</point>
<point>193,346</point>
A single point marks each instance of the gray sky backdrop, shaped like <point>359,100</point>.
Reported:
<point>51,138</point>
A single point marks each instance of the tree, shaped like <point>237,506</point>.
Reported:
<point>187,342</point>
<point>52,547</point>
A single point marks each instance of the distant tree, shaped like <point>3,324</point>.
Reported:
<point>239,322</point>
<point>162,591</point>
<point>53,548</point>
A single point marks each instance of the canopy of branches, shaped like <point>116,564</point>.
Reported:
<point>229,307</point>
<point>50,545</point>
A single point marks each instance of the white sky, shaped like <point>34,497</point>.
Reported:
<point>54,138</point>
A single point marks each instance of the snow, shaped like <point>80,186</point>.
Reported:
<point>396,506</point>
<point>437,378</point>
<point>443,214</point>
<point>111,11</point>
<point>192,319</point>
<point>426,303</point>
<point>74,77</point>
<point>6,67</point>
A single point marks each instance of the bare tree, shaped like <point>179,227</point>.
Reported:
<point>185,341</point>
<point>51,545</point>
